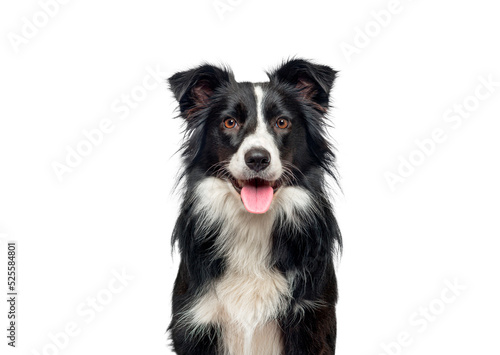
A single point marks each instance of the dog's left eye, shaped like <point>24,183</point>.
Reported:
<point>282,123</point>
<point>230,123</point>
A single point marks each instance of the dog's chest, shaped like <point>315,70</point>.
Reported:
<point>250,295</point>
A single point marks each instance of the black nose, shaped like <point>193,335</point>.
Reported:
<point>257,159</point>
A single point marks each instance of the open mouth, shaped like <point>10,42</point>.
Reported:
<point>256,194</point>
<point>239,184</point>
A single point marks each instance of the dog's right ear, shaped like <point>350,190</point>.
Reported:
<point>194,88</point>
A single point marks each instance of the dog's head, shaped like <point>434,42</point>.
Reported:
<point>258,137</point>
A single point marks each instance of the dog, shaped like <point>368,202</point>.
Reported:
<point>256,231</point>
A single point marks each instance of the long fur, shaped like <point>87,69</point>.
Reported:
<point>249,283</point>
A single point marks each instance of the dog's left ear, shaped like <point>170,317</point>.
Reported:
<point>312,81</point>
<point>194,88</point>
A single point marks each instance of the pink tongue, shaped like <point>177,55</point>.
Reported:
<point>257,199</point>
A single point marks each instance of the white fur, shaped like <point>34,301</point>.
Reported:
<point>261,138</point>
<point>249,296</point>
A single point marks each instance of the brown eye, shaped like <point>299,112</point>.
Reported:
<point>282,123</point>
<point>230,123</point>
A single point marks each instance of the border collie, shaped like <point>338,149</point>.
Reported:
<point>256,231</point>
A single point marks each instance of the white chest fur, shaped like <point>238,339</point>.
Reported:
<point>247,299</point>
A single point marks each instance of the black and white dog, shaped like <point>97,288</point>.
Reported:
<point>256,230</point>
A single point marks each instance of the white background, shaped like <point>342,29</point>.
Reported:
<point>115,209</point>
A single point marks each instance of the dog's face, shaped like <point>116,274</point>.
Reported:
<point>258,137</point>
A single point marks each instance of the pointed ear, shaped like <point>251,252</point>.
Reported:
<point>313,82</point>
<point>194,88</point>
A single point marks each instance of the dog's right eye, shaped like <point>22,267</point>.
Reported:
<point>230,123</point>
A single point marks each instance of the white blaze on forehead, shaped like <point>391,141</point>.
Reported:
<point>260,138</point>
<point>259,95</point>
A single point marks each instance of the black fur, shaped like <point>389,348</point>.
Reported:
<point>299,90</point>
